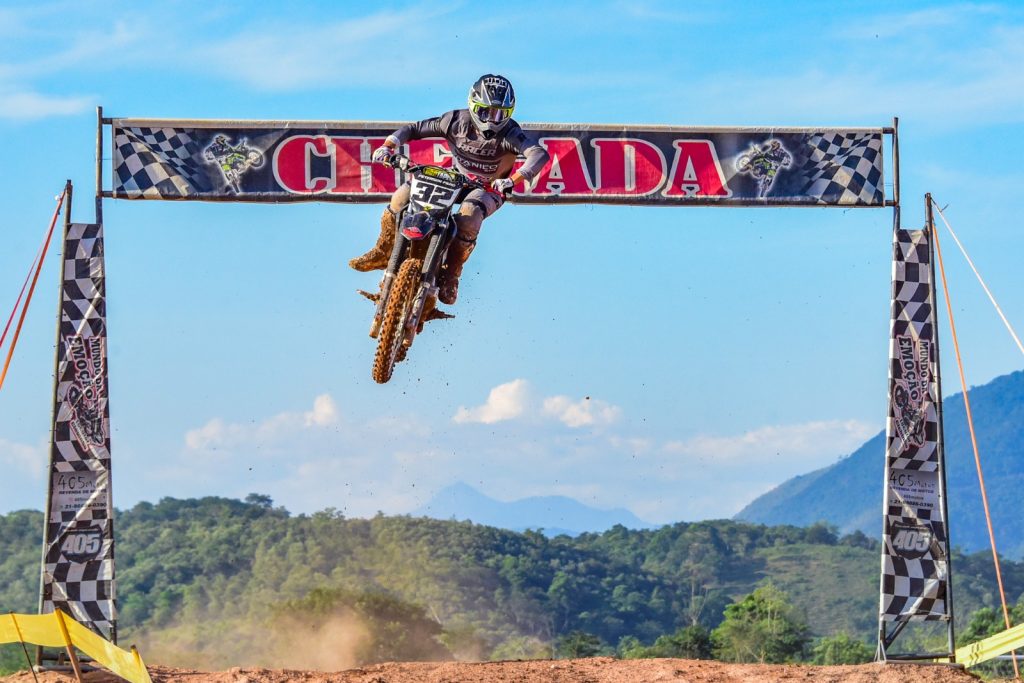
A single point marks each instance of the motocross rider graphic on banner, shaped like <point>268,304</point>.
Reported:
<point>234,161</point>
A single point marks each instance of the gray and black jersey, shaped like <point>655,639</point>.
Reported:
<point>472,152</point>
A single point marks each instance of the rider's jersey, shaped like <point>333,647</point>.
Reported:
<point>472,152</point>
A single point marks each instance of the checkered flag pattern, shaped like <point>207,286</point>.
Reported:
<point>78,565</point>
<point>842,168</point>
<point>157,163</point>
<point>915,566</point>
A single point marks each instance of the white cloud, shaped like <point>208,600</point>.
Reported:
<point>582,413</point>
<point>220,435</point>
<point>315,458</point>
<point>291,56</point>
<point>504,402</point>
<point>514,400</point>
<point>20,99</point>
<point>940,75</point>
<point>778,442</point>
<point>30,460</point>
<point>25,105</point>
<point>324,413</point>
<point>209,435</point>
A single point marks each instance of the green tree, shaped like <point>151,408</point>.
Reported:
<point>689,642</point>
<point>260,500</point>
<point>465,642</point>
<point>579,644</point>
<point>762,627</point>
<point>396,630</point>
<point>821,533</point>
<point>841,649</point>
<point>630,647</point>
<point>521,647</point>
<point>12,658</point>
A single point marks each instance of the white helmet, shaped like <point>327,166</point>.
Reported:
<point>491,102</point>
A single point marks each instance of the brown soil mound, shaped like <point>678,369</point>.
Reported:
<point>596,670</point>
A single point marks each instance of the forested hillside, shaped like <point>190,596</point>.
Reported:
<point>998,411</point>
<point>205,577</point>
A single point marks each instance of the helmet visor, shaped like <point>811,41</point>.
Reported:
<point>491,114</point>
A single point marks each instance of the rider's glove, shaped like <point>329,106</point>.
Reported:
<point>503,186</point>
<point>383,154</point>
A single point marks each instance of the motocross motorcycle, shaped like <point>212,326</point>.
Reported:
<point>408,290</point>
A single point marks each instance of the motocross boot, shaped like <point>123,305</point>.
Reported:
<point>448,279</point>
<point>377,258</point>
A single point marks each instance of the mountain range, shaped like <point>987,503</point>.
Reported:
<point>848,494</point>
<point>553,515</point>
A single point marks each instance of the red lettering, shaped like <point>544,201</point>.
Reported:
<point>628,166</point>
<point>566,173</point>
<point>355,173</point>
<point>696,171</point>
<point>432,151</point>
<point>292,164</point>
<point>306,164</point>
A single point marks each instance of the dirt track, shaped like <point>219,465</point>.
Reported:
<point>596,670</point>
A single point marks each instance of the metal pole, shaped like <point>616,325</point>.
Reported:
<point>940,441</point>
<point>884,639</point>
<point>99,165</point>
<point>896,164</point>
<point>68,189</point>
<point>24,648</point>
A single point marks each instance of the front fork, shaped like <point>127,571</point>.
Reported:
<point>428,282</point>
<point>389,276</point>
<point>428,285</point>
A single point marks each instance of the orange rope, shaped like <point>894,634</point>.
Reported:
<point>17,304</point>
<point>974,443</point>
<point>35,278</point>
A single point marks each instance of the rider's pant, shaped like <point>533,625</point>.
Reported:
<point>478,205</point>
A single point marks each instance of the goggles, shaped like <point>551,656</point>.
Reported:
<point>490,114</point>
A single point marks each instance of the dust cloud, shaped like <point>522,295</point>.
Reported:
<point>334,643</point>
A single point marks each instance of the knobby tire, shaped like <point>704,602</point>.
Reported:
<point>392,328</point>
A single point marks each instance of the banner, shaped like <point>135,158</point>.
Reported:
<point>915,561</point>
<point>78,563</point>
<point>296,161</point>
<point>59,630</point>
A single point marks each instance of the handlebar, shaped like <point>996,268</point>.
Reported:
<point>404,163</point>
<point>401,162</point>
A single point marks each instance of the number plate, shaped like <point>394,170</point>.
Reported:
<point>433,188</point>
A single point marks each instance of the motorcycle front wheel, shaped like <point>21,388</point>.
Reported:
<point>392,327</point>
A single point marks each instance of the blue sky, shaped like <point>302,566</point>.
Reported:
<point>675,361</point>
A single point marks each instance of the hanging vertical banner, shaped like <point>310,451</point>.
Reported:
<point>78,565</point>
<point>915,564</point>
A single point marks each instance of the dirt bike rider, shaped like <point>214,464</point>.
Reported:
<point>484,141</point>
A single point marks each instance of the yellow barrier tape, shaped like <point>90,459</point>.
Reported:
<point>45,630</point>
<point>38,629</point>
<point>113,658</point>
<point>993,646</point>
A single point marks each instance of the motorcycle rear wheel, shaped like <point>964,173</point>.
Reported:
<point>392,327</point>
